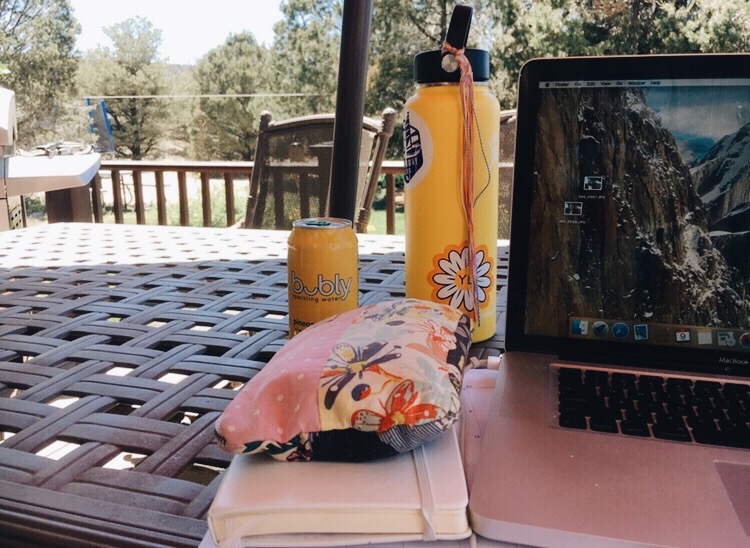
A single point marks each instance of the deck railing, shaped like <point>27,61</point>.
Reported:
<point>124,185</point>
<point>136,172</point>
<point>117,179</point>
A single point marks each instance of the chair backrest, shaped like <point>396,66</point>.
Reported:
<point>292,170</point>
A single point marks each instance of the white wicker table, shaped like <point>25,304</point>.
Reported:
<point>120,345</point>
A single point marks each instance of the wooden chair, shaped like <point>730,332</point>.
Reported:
<point>292,171</point>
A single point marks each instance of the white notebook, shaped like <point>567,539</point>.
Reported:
<point>420,495</point>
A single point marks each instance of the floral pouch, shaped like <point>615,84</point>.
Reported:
<point>369,383</point>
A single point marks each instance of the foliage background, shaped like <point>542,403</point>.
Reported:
<point>37,49</point>
<point>210,111</point>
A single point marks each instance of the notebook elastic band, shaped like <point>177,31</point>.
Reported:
<point>425,490</point>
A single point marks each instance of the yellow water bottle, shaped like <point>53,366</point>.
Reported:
<point>451,154</point>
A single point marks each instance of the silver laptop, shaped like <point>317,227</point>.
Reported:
<point>622,405</point>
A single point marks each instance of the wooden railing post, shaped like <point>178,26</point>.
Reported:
<point>182,190</point>
<point>117,196</point>
<point>229,195</point>
<point>140,207</point>
<point>206,195</point>
<point>96,199</point>
<point>161,198</point>
<point>390,203</point>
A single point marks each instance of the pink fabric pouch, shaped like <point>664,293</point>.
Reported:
<point>377,381</point>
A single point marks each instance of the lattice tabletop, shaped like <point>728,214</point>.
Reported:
<point>119,348</point>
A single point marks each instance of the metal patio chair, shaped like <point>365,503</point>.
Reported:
<point>292,172</point>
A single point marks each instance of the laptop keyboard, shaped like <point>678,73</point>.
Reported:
<point>648,406</point>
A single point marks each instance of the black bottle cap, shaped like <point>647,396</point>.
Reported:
<point>428,67</point>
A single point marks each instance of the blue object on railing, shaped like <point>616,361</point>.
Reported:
<point>100,127</point>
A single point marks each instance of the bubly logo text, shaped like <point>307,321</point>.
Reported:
<point>336,289</point>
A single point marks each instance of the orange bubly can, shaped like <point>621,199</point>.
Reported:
<point>323,270</point>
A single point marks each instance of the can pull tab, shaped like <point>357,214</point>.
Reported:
<point>457,35</point>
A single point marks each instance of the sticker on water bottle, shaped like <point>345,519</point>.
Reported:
<point>417,149</point>
<point>451,277</point>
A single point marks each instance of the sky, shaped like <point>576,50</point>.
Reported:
<point>189,28</point>
<point>708,112</point>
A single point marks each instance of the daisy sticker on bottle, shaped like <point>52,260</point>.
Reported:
<point>451,277</point>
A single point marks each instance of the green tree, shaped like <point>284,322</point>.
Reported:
<point>708,25</point>
<point>132,76</point>
<point>305,56</point>
<point>524,30</point>
<point>37,46</point>
<point>400,30</point>
<point>226,128</point>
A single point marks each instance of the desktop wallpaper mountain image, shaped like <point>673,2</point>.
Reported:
<point>647,247</point>
<point>722,180</point>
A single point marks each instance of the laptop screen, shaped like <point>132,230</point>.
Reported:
<point>632,208</point>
